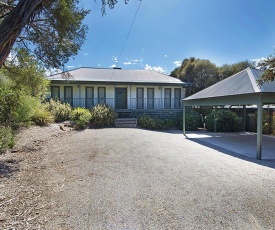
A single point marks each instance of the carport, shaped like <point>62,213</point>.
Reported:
<point>239,89</point>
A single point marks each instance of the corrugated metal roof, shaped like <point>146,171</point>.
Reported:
<point>117,75</point>
<point>244,82</point>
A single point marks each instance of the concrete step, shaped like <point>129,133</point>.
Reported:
<point>126,122</point>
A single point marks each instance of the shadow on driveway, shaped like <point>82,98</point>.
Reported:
<point>241,145</point>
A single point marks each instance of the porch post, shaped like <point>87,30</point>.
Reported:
<point>183,117</point>
<point>259,128</point>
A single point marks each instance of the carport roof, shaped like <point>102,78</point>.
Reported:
<point>242,88</point>
<point>244,82</point>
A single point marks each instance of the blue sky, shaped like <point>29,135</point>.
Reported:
<point>167,31</point>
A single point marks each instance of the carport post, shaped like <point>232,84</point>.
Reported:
<point>183,118</point>
<point>244,117</point>
<point>259,129</point>
<point>215,120</point>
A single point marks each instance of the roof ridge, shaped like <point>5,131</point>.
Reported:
<point>253,80</point>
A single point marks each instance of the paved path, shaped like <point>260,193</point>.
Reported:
<point>138,179</point>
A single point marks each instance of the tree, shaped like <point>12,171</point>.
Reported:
<point>268,65</point>
<point>52,30</point>
<point>226,70</point>
<point>202,73</point>
<point>27,74</point>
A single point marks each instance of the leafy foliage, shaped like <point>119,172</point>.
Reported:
<point>81,117</point>
<point>60,111</point>
<point>27,74</point>
<point>147,122</point>
<point>9,102</point>
<point>192,120</point>
<point>6,138</point>
<point>41,116</point>
<point>227,121</point>
<point>204,73</point>
<point>53,30</point>
<point>103,115</point>
<point>268,65</point>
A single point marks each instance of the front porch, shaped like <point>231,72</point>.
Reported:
<point>161,108</point>
<point>134,104</point>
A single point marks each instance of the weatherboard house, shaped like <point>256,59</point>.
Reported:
<point>127,91</point>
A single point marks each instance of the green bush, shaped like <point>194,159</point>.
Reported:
<point>227,121</point>
<point>81,117</point>
<point>103,115</point>
<point>147,122</point>
<point>9,102</point>
<point>60,111</point>
<point>42,116</point>
<point>192,120</point>
<point>6,138</point>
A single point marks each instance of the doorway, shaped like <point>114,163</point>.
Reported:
<point>121,98</point>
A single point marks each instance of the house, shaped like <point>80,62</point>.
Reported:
<point>127,91</point>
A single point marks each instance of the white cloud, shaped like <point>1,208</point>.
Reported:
<point>155,68</point>
<point>128,63</point>
<point>165,55</point>
<point>86,54</point>
<point>112,66</point>
<point>177,63</point>
<point>99,65</point>
<point>256,61</point>
<point>70,66</point>
<point>135,60</point>
<point>115,59</point>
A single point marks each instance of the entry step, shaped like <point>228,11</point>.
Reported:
<point>126,122</point>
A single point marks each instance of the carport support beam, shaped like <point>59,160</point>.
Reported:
<point>183,118</point>
<point>259,129</point>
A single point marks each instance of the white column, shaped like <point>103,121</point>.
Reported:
<point>259,129</point>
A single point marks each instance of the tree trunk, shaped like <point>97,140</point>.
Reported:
<point>14,22</point>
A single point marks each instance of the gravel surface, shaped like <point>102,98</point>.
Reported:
<point>139,179</point>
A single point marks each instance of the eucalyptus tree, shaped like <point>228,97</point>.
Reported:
<point>52,30</point>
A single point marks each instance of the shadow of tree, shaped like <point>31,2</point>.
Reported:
<point>264,162</point>
<point>8,167</point>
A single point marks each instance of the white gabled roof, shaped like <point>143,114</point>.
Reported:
<point>117,76</point>
<point>244,82</point>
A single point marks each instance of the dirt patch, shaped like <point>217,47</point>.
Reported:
<point>25,190</point>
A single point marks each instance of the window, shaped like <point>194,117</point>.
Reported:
<point>55,92</point>
<point>177,98</point>
<point>140,98</point>
<point>150,98</point>
<point>101,95</point>
<point>167,98</point>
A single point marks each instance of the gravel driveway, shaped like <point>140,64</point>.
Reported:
<point>138,179</point>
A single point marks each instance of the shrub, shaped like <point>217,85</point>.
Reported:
<point>227,121</point>
<point>81,117</point>
<point>192,120</point>
<point>6,138</point>
<point>60,111</point>
<point>9,102</point>
<point>147,122</point>
<point>42,116</point>
<point>103,115</point>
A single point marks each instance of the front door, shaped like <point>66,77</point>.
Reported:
<point>121,98</point>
